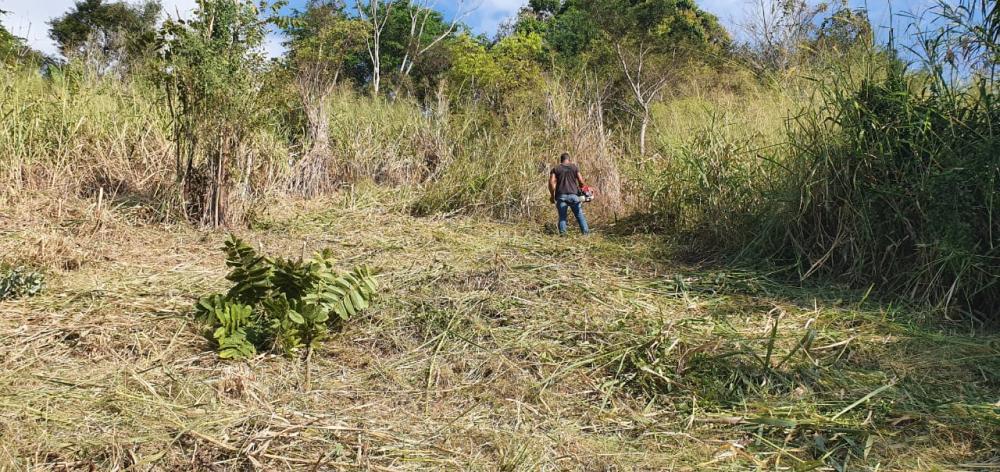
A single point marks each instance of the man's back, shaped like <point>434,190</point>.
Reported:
<point>567,180</point>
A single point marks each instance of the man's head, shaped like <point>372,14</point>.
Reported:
<point>564,158</point>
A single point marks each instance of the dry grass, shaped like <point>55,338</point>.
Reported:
<point>488,350</point>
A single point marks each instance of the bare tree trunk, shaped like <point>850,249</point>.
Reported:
<point>642,132</point>
<point>311,175</point>
<point>375,41</point>
<point>214,196</point>
<point>376,71</point>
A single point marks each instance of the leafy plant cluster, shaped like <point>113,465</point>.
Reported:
<point>285,305</point>
<point>18,282</point>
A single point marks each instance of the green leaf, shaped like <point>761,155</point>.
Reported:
<point>358,301</point>
<point>296,317</point>
<point>349,306</point>
<point>322,315</point>
<point>341,311</point>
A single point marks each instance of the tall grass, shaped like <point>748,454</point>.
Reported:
<point>885,178</point>
<point>500,163</point>
<point>72,134</point>
<point>719,157</point>
<point>77,135</point>
<point>394,142</point>
<point>895,182</point>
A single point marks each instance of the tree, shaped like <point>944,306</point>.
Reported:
<point>571,32</point>
<point>321,40</point>
<point>427,30</point>
<point>118,31</point>
<point>843,30</point>
<point>777,29</point>
<point>646,78</point>
<point>545,6</point>
<point>634,45</point>
<point>9,44</point>
<point>494,74</point>
<point>652,40</point>
<point>212,71</point>
<point>376,14</point>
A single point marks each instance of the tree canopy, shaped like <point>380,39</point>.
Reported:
<point>111,27</point>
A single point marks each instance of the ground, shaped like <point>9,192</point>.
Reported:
<point>491,346</point>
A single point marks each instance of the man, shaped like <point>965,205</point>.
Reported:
<point>564,187</point>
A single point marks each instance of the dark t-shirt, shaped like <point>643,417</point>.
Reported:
<point>567,180</point>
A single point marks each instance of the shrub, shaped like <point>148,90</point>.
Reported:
<point>281,304</point>
<point>17,282</point>
<point>212,74</point>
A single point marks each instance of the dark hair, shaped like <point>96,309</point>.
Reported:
<point>564,158</point>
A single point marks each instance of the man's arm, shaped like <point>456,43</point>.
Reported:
<point>552,187</point>
<point>579,178</point>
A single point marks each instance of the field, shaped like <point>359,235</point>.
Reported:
<point>491,346</point>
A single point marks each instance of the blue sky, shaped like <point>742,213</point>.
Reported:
<point>28,17</point>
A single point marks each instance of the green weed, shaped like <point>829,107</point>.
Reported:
<point>17,282</point>
<point>281,304</point>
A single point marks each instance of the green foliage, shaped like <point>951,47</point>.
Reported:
<point>281,304</point>
<point>18,282</point>
<point>721,159</point>
<point>111,27</point>
<point>8,42</point>
<point>571,33</point>
<point>212,67</point>
<point>399,39</point>
<point>676,25</point>
<point>544,6</point>
<point>322,40</point>
<point>900,192</point>
<point>885,180</point>
<point>232,320</point>
<point>843,30</point>
<point>494,74</point>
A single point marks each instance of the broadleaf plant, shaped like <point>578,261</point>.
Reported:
<point>17,282</point>
<point>283,305</point>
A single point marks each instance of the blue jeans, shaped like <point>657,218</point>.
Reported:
<point>563,204</point>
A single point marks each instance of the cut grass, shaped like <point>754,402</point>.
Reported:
<point>493,347</point>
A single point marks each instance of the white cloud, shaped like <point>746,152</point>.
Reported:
<point>489,14</point>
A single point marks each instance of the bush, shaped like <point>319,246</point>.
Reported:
<point>281,304</point>
<point>17,282</point>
